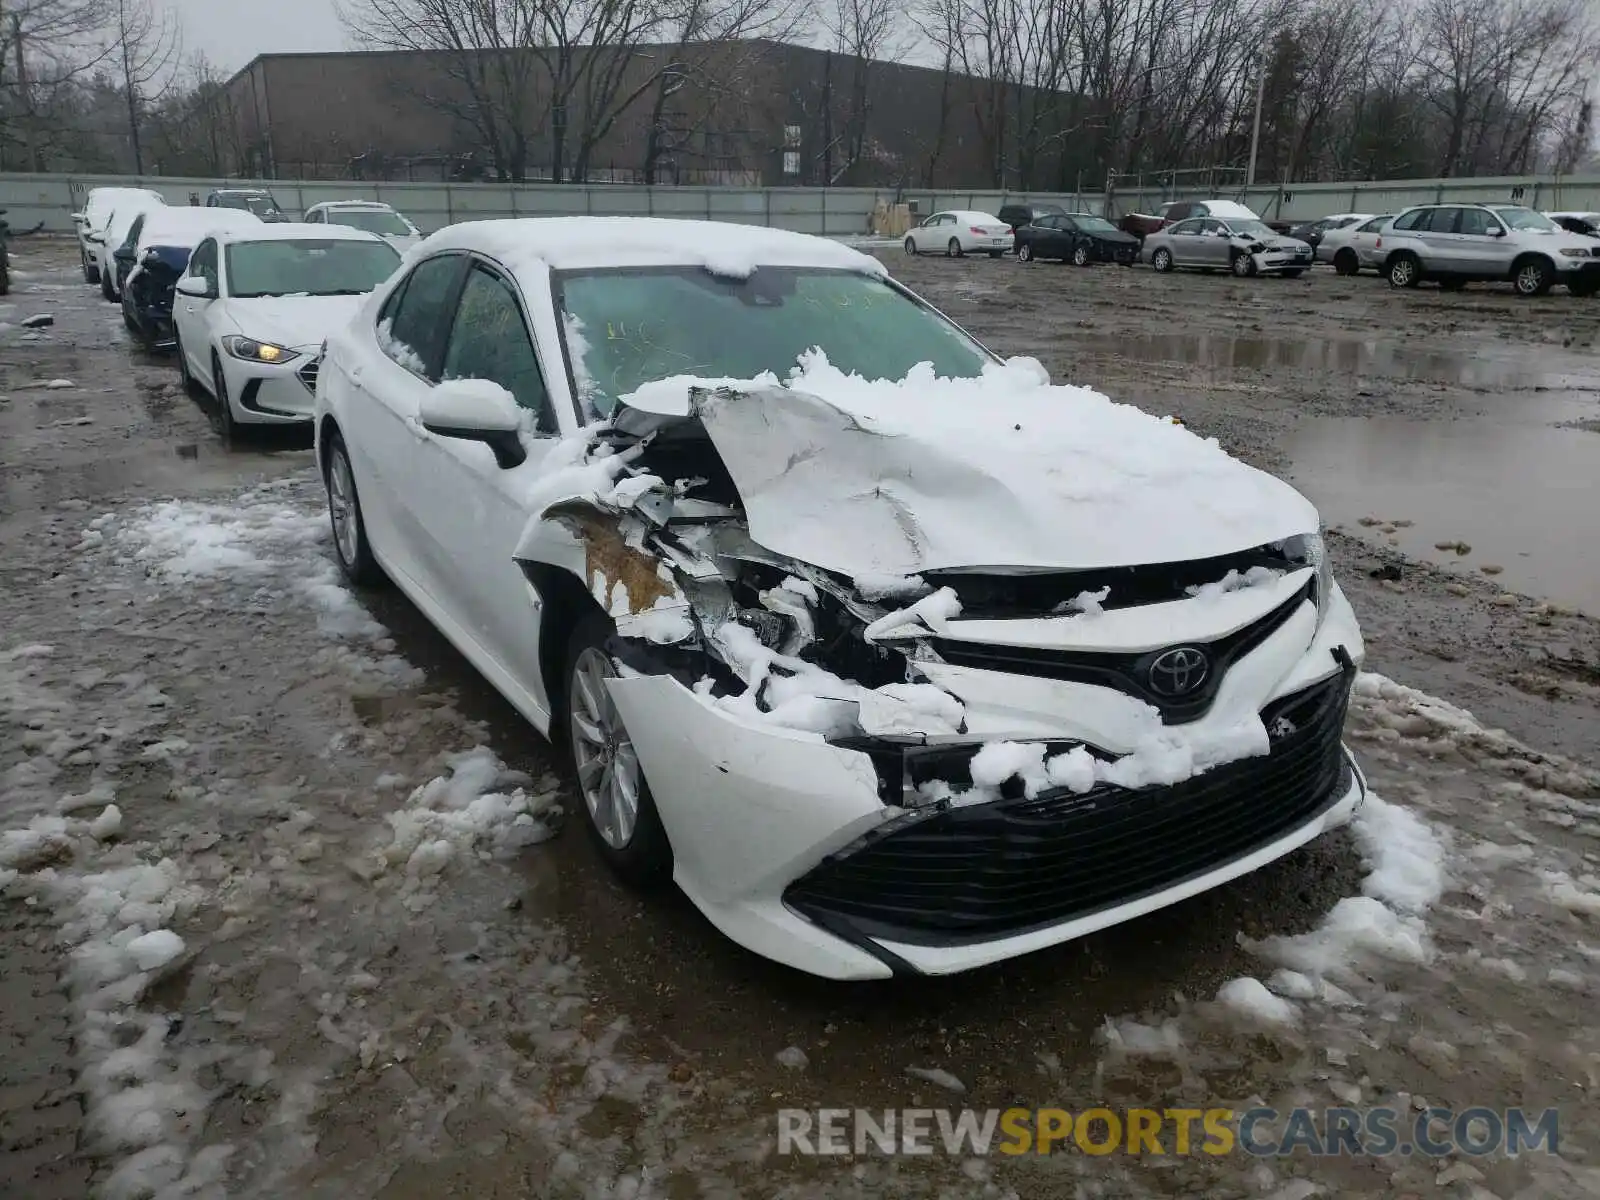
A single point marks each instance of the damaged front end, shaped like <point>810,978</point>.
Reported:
<point>654,529</point>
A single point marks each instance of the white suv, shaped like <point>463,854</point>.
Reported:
<point>1456,244</point>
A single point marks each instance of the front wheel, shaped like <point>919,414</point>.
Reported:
<point>185,376</point>
<point>1534,277</point>
<point>1346,263</point>
<point>911,247</point>
<point>1025,252</point>
<point>91,272</point>
<point>1161,260</point>
<point>350,544</point>
<point>227,427</point>
<point>953,250</point>
<point>1243,264</point>
<point>1080,255</point>
<point>621,812</point>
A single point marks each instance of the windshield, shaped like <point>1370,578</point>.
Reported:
<point>626,328</point>
<point>1526,218</point>
<point>1094,225</point>
<point>262,206</point>
<point>373,220</point>
<point>309,267</point>
<point>1251,228</point>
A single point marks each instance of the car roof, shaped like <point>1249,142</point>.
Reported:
<point>377,204</point>
<point>294,231</point>
<point>240,191</point>
<point>576,243</point>
<point>184,225</point>
<point>967,214</point>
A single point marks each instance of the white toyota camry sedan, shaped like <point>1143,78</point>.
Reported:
<point>894,656</point>
<point>254,307</point>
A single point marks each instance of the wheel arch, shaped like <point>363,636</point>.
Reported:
<point>1527,256</point>
<point>564,601</point>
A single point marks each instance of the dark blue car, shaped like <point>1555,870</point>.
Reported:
<point>152,258</point>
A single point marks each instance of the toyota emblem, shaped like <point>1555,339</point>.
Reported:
<point>1178,672</point>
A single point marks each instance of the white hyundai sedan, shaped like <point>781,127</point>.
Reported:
<point>256,304</point>
<point>895,657</point>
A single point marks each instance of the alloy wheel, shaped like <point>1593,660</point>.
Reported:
<point>607,763</point>
<point>1531,279</point>
<point>1025,252</point>
<point>910,246</point>
<point>1403,273</point>
<point>1162,260</point>
<point>342,508</point>
<point>1080,256</point>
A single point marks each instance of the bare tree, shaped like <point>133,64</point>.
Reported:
<point>146,45</point>
<point>45,47</point>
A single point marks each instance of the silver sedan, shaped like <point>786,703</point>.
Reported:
<point>1243,246</point>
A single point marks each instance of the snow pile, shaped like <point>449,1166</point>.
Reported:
<point>1235,581</point>
<point>1136,1039</point>
<point>1085,604</point>
<point>478,809</point>
<point>1164,756</point>
<point>1405,859</point>
<point>874,588</point>
<point>1249,998</point>
<point>795,694</point>
<point>929,613</point>
<point>398,350</point>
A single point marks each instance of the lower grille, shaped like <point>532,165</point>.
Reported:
<point>308,374</point>
<point>994,870</point>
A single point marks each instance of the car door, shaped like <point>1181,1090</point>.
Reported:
<point>1183,237</point>
<point>192,314</point>
<point>1441,244</point>
<point>1065,234</point>
<point>1214,243</point>
<point>385,391</point>
<point>1485,248</point>
<point>478,509</point>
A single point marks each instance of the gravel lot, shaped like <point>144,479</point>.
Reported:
<point>496,1019</point>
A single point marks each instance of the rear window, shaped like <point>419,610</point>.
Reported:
<point>1412,220</point>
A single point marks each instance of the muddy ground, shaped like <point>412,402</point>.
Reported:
<point>504,1020</point>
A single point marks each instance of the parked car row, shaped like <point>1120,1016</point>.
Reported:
<point>1448,244</point>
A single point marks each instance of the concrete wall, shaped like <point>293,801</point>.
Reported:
<point>49,200</point>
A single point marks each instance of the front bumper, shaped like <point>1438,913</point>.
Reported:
<point>1116,252</point>
<point>274,394</point>
<point>784,841</point>
<point>1283,260</point>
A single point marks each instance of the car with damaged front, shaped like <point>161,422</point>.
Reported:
<point>154,254</point>
<point>894,656</point>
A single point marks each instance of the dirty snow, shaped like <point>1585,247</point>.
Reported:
<point>1249,999</point>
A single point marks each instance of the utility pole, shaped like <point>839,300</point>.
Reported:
<point>1255,131</point>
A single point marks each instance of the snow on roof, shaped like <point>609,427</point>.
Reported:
<point>175,225</point>
<point>970,214</point>
<point>569,243</point>
<point>379,204</point>
<point>294,231</point>
<point>1227,208</point>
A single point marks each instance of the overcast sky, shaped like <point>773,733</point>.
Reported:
<point>232,32</point>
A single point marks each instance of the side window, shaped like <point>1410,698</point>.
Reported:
<point>1477,222</point>
<point>203,262</point>
<point>489,340</point>
<point>1213,226</point>
<point>1066,223</point>
<point>413,331</point>
<point>1185,228</point>
<point>1406,222</point>
<point>132,240</point>
<point>314,218</point>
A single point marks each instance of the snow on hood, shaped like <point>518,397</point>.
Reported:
<point>293,321</point>
<point>1004,471</point>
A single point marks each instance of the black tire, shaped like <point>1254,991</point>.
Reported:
<point>911,247</point>
<point>1533,276</point>
<point>106,290</point>
<point>1080,255</point>
<point>1025,252</point>
<point>953,249</point>
<point>1403,270</point>
<point>1242,264</point>
<point>354,554</point>
<point>1347,262</point>
<point>91,270</point>
<point>133,326</point>
<point>644,858</point>
<point>227,428</point>
<point>1161,260</point>
<point>191,386</point>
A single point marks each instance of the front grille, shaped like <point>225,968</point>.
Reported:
<point>972,874</point>
<point>308,374</point>
<point>1129,673</point>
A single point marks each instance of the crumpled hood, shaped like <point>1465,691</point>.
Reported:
<point>295,322</point>
<point>1005,471</point>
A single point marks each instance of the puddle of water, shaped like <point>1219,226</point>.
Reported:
<point>1524,497</point>
<point>1353,357</point>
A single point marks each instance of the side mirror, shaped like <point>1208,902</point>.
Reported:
<point>1496,231</point>
<point>477,410</point>
<point>122,254</point>
<point>197,286</point>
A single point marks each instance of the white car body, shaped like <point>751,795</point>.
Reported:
<point>370,215</point>
<point>511,520</point>
<point>104,210</point>
<point>957,231</point>
<point>1334,227</point>
<point>1360,239</point>
<point>212,325</point>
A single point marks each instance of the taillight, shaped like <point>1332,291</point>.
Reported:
<point>980,231</point>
